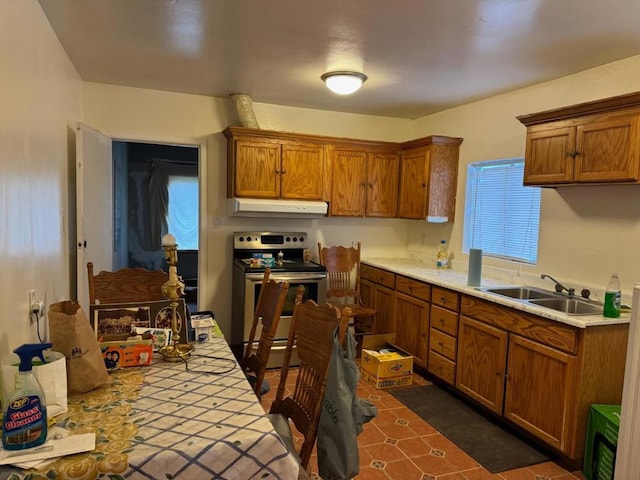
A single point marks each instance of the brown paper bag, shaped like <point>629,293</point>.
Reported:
<point>72,335</point>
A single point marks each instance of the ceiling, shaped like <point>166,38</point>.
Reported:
<point>421,56</point>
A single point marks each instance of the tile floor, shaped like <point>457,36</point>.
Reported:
<point>399,445</point>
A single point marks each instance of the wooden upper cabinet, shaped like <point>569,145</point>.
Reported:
<point>273,165</point>
<point>382,184</point>
<point>415,179</point>
<point>607,150</point>
<point>348,189</point>
<point>364,182</point>
<point>589,143</point>
<point>301,171</point>
<point>429,178</point>
<point>256,167</point>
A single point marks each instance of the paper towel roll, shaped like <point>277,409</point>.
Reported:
<point>475,267</point>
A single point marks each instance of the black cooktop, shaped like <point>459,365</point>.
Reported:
<point>289,265</point>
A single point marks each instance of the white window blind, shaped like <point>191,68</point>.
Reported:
<point>182,214</point>
<point>502,216</point>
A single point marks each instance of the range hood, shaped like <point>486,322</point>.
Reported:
<point>260,207</point>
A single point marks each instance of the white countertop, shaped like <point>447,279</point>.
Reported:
<point>457,280</point>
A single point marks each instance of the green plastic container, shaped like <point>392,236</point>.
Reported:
<point>601,442</point>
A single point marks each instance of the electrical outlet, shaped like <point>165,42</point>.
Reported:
<point>32,299</point>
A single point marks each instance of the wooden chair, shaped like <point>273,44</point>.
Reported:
<point>343,284</point>
<point>312,328</point>
<point>125,285</point>
<point>266,316</point>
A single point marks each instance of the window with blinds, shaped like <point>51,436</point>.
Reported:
<point>501,216</point>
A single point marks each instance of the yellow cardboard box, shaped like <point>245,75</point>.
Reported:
<point>387,368</point>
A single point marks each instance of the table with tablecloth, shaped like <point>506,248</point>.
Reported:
<point>198,421</point>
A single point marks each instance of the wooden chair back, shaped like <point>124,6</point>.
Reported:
<point>266,316</point>
<point>343,284</point>
<point>343,271</point>
<point>312,329</point>
<point>125,285</point>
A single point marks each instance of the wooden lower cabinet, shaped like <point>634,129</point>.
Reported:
<point>539,374</point>
<point>482,357</point>
<point>412,327</point>
<point>384,303</point>
<point>540,390</point>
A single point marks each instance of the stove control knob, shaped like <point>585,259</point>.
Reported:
<point>288,239</point>
<point>248,239</point>
<point>295,239</point>
<point>302,239</point>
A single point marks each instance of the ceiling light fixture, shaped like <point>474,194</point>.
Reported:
<point>344,83</point>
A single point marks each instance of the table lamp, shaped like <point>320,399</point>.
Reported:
<point>173,290</point>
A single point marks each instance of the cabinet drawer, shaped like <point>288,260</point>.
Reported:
<point>378,275</point>
<point>444,320</point>
<point>550,333</point>
<point>445,298</point>
<point>442,367</point>
<point>413,287</point>
<point>443,344</point>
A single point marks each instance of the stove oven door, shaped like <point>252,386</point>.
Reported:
<point>315,288</point>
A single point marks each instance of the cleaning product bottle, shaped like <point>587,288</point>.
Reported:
<point>612,297</point>
<point>24,424</point>
<point>442,258</point>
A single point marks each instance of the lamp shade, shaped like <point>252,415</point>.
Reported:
<point>344,83</point>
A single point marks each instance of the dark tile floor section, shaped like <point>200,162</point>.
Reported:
<point>399,445</point>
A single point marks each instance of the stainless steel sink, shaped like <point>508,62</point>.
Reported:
<point>547,299</point>
<point>571,306</point>
<point>521,293</point>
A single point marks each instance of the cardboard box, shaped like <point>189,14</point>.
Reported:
<point>601,442</point>
<point>120,351</point>
<point>382,365</point>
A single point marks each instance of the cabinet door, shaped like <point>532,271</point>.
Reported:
<point>548,156</point>
<point>606,151</point>
<point>414,168</point>
<point>302,167</point>
<point>412,327</point>
<point>540,390</point>
<point>366,295</point>
<point>348,185</point>
<point>382,185</point>
<point>257,169</point>
<point>482,357</point>
<point>385,304</point>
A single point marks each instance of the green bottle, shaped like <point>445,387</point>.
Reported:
<point>612,298</point>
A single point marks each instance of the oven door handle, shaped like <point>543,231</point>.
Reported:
<point>278,277</point>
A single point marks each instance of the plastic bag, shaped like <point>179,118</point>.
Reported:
<point>342,415</point>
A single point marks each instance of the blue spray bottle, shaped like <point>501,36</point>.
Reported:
<point>24,424</point>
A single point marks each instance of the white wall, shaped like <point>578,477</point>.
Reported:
<point>40,96</point>
<point>586,233</point>
<point>138,114</point>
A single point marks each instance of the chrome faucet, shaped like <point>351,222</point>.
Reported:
<point>559,287</point>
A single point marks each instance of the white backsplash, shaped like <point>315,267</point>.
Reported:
<point>520,274</point>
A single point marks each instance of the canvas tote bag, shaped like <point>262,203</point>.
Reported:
<point>72,335</point>
<point>342,415</point>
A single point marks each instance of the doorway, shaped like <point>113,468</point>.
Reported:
<point>156,192</point>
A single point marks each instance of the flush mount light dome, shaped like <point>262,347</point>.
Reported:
<point>344,83</point>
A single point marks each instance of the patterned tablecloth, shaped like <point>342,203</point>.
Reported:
<point>168,420</point>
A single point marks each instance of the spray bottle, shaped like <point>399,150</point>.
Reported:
<point>24,424</point>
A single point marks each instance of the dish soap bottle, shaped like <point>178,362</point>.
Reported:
<point>24,424</point>
<point>442,259</point>
<point>612,297</point>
